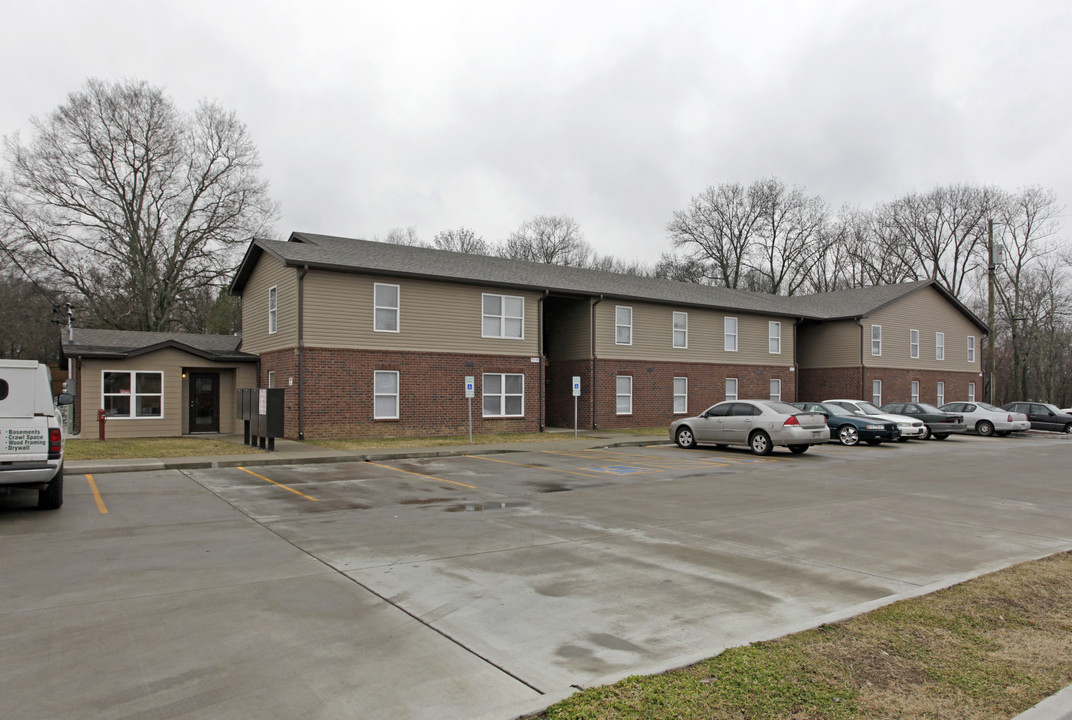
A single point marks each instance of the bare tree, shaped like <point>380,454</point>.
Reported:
<point>718,230</point>
<point>26,312</point>
<point>402,236</point>
<point>682,268</point>
<point>552,239</point>
<point>789,236</point>
<point>126,201</point>
<point>461,240</point>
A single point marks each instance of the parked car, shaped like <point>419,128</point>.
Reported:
<point>758,424</point>
<point>987,419</point>
<point>1043,416</point>
<point>908,427</point>
<point>849,428</point>
<point>939,424</point>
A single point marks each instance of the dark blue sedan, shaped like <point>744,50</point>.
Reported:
<point>849,428</point>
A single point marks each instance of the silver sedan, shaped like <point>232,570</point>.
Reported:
<point>987,420</point>
<point>758,424</point>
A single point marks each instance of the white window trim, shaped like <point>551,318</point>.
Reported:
<point>736,388</point>
<point>271,378</point>
<point>915,391</point>
<point>776,383</point>
<point>674,330</point>
<point>939,346</point>
<point>684,395</point>
<point>133,394</point>
<point>503,317</point>
<point>273,310</point>
<point>913,344</point>
<point>618,395</point>
<point>502,396</point>
<point>971,348</point>
<point>939,394</point>
<point>726,334</point>
<point>377,307</point>
<point>774,336</point>
<point>876,337</point>
<point>876,393</point>
<point>617,324</point>
<point>971,392</point>
<point>396,395</point>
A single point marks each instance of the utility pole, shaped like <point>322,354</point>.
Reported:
<point>990,271</point>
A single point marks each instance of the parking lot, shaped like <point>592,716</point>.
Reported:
<point>483,586</point>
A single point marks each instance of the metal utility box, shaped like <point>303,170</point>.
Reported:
<point>261,410</point>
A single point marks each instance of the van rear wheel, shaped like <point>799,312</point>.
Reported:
<point>51,498</point>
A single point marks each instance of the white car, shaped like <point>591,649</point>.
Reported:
<point>987,419</point>
<point>909,427</point>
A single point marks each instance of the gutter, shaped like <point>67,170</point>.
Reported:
<point>595,425</point>
<point>301,351</point>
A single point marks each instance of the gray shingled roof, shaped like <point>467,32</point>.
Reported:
<point>353,255</point>
<point>125,343</point>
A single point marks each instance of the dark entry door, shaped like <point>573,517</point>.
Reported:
<point>204,402</point>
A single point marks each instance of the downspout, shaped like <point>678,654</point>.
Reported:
<point>301,351</point>
<point>595,357</point>
<point>796,359</point>
<point>539,351</point>
<point>863,368</point>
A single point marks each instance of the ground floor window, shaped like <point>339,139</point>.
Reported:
<point>971,392</point>
<point>132,394</point>
<point>624,395</point>
<point>876,393</point>
<point>385,395</point>
<point>731,388</point>
<point>271,378</point>
<point>915,391</point>
<point>941,394</point>
<point>681,395</point>
<point>504,395</point>
<point>775,389</point>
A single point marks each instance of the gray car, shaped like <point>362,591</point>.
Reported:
<point>758,424</point>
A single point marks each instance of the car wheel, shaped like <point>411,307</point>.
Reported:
<point>984,428</point>
<point>51,498</point>
<point>926,433</point>
<point>684,438</point>
<point>874,442</point>
<point>760,443</point>
<point>798,449</point>
<point>1068,429</point>
<point>848,435</point>
<point>940,436</point>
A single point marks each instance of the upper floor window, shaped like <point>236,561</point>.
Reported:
<point>623,325</point>
<point>876,339</point>
<point>273,300</point>
<point>503,316</point>
<point>939,346</point>
<point>730,330</point>
<point>774,338</point>
<point>681,330</point>
<point>386,300</point>
<point>971,348</point>
<point>913,344</point>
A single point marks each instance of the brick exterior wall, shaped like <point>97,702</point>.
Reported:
<point>338,396</point>
<point>559,390</point>
<point>818,384</point>
<point>854,382</point>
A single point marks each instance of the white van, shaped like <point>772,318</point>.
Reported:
<point>31,432</point>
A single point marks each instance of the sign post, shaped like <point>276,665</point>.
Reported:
<point>470,392</point>
<point>576,394</point>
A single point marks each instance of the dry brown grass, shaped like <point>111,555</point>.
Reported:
<point>127,448</point>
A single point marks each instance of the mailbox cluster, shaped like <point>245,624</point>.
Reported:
<point>261,411</point>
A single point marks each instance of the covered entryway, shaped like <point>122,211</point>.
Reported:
<point>204,402</point>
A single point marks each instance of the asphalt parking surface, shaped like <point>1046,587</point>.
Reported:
<point>483,586</point>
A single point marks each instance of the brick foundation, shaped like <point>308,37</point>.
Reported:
<point>825,383</point>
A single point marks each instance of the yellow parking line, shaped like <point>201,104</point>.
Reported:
<point>430,477</point>
<point>296,492</point>
<point>96,495</point>
<point>534,467</point>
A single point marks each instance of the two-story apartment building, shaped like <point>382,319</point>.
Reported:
<point>376,339</point>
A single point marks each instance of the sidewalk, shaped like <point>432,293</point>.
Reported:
<point>290,452</point>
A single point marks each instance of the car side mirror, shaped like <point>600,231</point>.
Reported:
<point>65,399</point>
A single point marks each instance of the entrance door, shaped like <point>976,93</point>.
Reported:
<point>204,402</point>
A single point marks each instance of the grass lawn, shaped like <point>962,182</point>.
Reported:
<point>988,648</point>
<point>478,439</point>
<point>121,448</point>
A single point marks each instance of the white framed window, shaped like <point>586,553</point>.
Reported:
<point>271,378</point>
<point>132,394</point>
<point>915,391</point>
<point>971,348</point>
<point>504,395</point>
<point>876,393</point>
<point>939,346</point>
<point>624,395</point>
<point>386,302</point>
<point>681,395</point>
<point>731,388</point>
<point>273,309</point>
<point>971,392</point>
<point>775,389</point>
<point>876,339</point>
<point>730,334</point>
<point>913,344</point>
<point>385,395</point>
<point>774,337</point>
<point>503,316</point>
<point>681,330</point>
<point>623,325</point>
<point>940,395</point>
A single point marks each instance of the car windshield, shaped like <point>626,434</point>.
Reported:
<point>780,407</point>
<point>868,409</point>
<point>988,406</point>
<point>928,408</point>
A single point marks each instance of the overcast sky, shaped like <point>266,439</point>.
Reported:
<point>376,115</point>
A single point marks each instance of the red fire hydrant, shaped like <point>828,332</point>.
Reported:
<point>100,422</point>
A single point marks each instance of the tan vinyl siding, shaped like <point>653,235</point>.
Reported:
<point>270,272</point>
<point>832,344</point>
<point>433,316</point>
<point>172,363</point>
<point>930,312</point>
<point>570,334</point>
<point>653,336</point>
